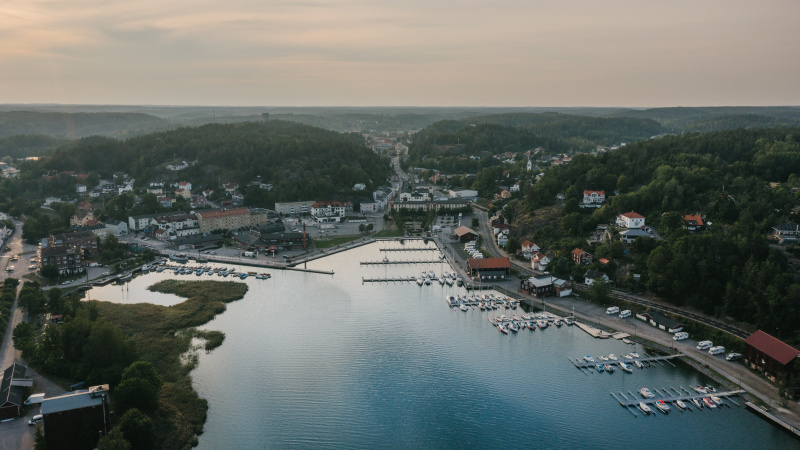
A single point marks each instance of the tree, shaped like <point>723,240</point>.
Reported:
<point>23,338</point>
<point>55,300</point>
<point>143,370</point>
<point>50,271</point>
<point>114,440</point>
<point>361,228</point>
<point>136,393</point>
<point>475,223</point>
<point>599,291</point>
<point>137,429</point>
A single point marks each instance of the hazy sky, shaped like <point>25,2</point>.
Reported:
<point>401,52</point>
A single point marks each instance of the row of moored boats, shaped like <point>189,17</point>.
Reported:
<point>711,402</point>
<point>428,277</point>
<point>484,302</point>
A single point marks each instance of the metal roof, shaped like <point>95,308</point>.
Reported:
<point>75,400</point>
<point>8,393</point>
<point>772,347</point>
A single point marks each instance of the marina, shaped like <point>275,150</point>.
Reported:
<point>682,397</point>
<point>397,263</point>
<point>641,360</point>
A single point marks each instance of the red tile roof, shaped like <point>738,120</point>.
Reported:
<point>587,192</point>
<point>771,346</point>
<point>693,218</point>
<point>578,251</point>
<point>632,215</point>
<point>489,263</point>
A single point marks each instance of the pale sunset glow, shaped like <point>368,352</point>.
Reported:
<point>368,52</point>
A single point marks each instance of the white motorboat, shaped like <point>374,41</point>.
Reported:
<point>646,393</point>
<point>625,367</point>
<point>716,400</point>
<point>680,404</point>
<point>697,403</point>
<point>588,358</point>
<point>513,326</point>
<point>419,281</point>
<point>463,307</point>
<point>502,328</point>
<point>634,355</point>
<point>644,408</point>
<point>638,365</point>
<point>663,407</point>
<point>427,281</point>
<point>612,357</point>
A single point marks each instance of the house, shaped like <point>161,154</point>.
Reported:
<point>505,194</point>
<point>693,222</point>
<point>86,206</point>
<point>12,391</point>
<point>528,248</point>
<point>359,187</point>
<point>592,275</point>
<point>85,241</point>
<point>539,261</point>
<point>464,234</point>
<point>788,231</point>
<point>80,219</point>
<point>116,227</point>
<point>207,192</point>
<point>166,202</point>
<point>80,189</point>
<point>562,288</point>
<point>630,220</point>
<point>185,185</point>
<point>185,193</point>
<point>177,165</point>
<point>197,201</point>
<point>514,187</point>
<point>489,268</point>
<point>237,198</point>
<point>769,355</point>
<point>71,417</point>
<point>628,236</point>
<point>593,198</point>
<point>500,228</point>
<point>582,257</point>
<point>661,321</point>
<point>502,239</point>
<point>538,286</point>
<point>230,188</point>
<point>50,200</point>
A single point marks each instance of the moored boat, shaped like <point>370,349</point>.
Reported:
<point>625,367</point>
<point>663,407</point>
<point>710,403</point>
<point>644,408</point>
<point>612,357</point>
<point>588,358</point>
<point>463,307</point>
<point>645,392</point>
<point>599,367</point>
<point>609,368</point>
<point>697,403</point>
<point>680,404</point>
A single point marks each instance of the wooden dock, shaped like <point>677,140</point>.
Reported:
<point>592,331</point>
<point>583,364</point>
<point>389,263</point>
<point>766,415</point>
<point>390,280</point>
<point>409,249</point>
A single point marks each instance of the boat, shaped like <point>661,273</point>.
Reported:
<point>263,276</point>
<point>634,354</point>
<point>441,280</point>
<point>568,320</point>
<point>646,393</point>
<point>531,326</point>
<point>513,326</point>
<point>588,358</point>
<point>710,403</point>
<point>599,367</point>
<point>627,341</point>
<point>242,275</point>
<point>558,324</point>
<point>464,307</point>
<point>449,281</point>
<point>427,281</point>
<point>431,274</point>
<point>502,328</point>
<point>646,364</point>
<point>663,407</point>
<point>419,281</point>
<point>638,365</point>
<point>145,268</point>
<point>609,368</point>
<point>602,358</point>
<point>680,404</point>
<point>710,389</point>
<point>178,257</point>
<point>612,357</point>
<point>697,403</point>
<point>644,408</point>
<point>701,390</point>
<point>625,367</point>
<point>716,400</point>
<point>451,300</point>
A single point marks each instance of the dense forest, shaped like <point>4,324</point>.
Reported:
<point>300,161</point>
<point>730,269</point>
<point>25,145</point>
<point>74,125</point>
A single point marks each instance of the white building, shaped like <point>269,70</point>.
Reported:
<point>630,220</point>
<point>326,212</point>
<point>371,207</point>
<point>293,208</point>
<point>594,197</point>
<point>116,227</point>
<point>359,187</point>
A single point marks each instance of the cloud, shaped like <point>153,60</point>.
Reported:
<point>581,52</point>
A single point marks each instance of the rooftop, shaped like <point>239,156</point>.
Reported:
<point>773,347</point>
<point>223,213</point>
<point>632,215</point>
<point>85,398</point>
<point>489,263</point>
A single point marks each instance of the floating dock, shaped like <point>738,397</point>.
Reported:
<point>592,331</point>
<point>409,249</point>
<point>583,364</point>
<point>390,280</point>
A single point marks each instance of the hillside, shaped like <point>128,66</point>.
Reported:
<point>300,161</point>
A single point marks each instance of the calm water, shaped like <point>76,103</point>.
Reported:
<point>325,361</point>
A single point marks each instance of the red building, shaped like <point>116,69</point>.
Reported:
<point>489,268</point>
<point>769,355</point>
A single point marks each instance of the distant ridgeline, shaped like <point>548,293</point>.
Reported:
<point>76,125</point>
<point>299,160</point>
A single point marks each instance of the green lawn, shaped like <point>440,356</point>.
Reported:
<point>333,242</point>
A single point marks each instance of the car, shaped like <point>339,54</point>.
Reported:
<point>14,258</point>
<point>36,419</point>
<point>146,239</point>
<point>10,269</point>
<point>105,274</point>
<point>32,267</point>
<point>66,282</point>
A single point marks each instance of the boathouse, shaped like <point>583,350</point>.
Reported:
<point>539,287</point>
<point>769,355</point>
<point>661,321</point>
<point>489,268</point>
<point>12,391</point>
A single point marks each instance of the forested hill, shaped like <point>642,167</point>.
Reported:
<point>444,145</point>
<point>301,161</point>
<point>679,120</point>
<point>76,125</point>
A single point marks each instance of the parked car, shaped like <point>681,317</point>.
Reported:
<point>66,282</point>
<point>36,419</point>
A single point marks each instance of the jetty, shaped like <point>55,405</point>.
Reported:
<point>390,262</point>
<point>389,280</point>
<point>409,249</point>
<point>592,331</point>
<point>583,364</point>
<point>632,400</point>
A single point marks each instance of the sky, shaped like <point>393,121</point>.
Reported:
<point>634,53</point>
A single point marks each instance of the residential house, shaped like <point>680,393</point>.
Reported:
<point>788,231</point>
<point>592,275</point>
<point>231,219</point>
<point>539,261</point>
<point>505,194</point>
<point>12,391</point>
<point>514,187</point>
<point>80,189</point>
<point>371,207</point>
<point>166,202</point>
<point>68,260</point>
<point>197,201</point>
<point>116,227</point>
<point>185,193</point>
<point>593,198</point>
<point>359,187</point>
<point>630,220</point>
<point>207,192</point>
<point>693,222</point>
<point>80,219</point>
<point>177,165</point>
<point>580,256</point>
<point>502,239</point>
<point>628,236</point>
<point>184,185</point>
<point>528,248</point>
<point>50,200</point>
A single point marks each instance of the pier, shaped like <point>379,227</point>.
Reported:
<point>592,331</point>
<point>389,280</point>
<point>409,249</point>
<point>684,395</point>
<point>389,262</point>
<point>767,416</point>
<point>583,364</point>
